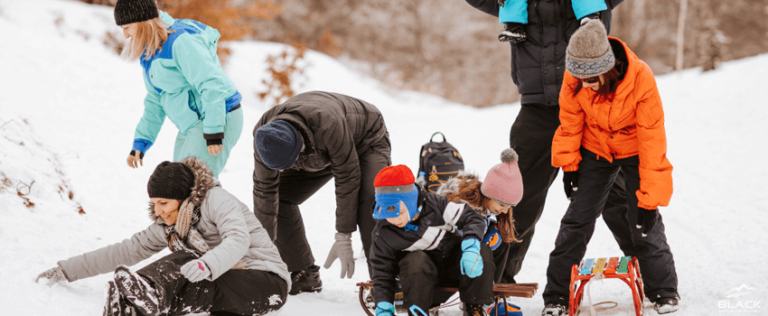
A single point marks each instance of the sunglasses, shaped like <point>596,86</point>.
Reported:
<point>590,80</point>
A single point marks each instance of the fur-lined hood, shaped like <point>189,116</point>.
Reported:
<point>452,187</point>
<point>204,181</point>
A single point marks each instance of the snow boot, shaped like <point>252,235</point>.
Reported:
<point>513,32</point>
<point>116,305</point>
<point>666,305</point>
<point>553,309</point>
<point>137,291</point>
<point>306,280</point>
<point>474,310</point>
<point>498,309</point>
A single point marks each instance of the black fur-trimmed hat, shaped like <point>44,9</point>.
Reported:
<point>171,180</point>
<point>130,11</point>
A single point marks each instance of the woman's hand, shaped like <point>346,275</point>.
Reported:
<point>135,159</point>
<point>53,275</point>
<point>215,149</point>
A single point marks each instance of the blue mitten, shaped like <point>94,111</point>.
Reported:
<point>385,309</point>
<point>471,262</point>
<point>493,237</point>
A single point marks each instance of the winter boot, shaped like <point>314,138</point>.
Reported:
<point>499,310</point>
<point>553,309</point>
<point>474,310</point>
<point>513,32</point>
<point>116,305</point>
<point>306,280</point>
<point>137,291</point>
<point>666,305</point>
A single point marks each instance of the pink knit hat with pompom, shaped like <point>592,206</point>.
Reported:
<point>504,183</point>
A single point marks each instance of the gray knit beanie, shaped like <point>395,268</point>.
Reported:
<point>589,54</point>
<point>130,11</point>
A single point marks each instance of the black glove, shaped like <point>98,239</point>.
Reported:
<point>646,219</point>
<point>141,154</point>
<point>570,182</point>
<point>593,16</point>
<point>513,32</point>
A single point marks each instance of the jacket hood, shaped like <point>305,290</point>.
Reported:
<point>452,187</point>
<point>204,181</point>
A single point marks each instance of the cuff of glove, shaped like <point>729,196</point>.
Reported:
<point>343,237</point>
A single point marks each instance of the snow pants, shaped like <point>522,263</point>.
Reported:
<point>531,136</point>
<point>236,292</point>
<point>297,186</point>
<point>420,273</point>
<point>193,143</point>
<point>596,177</point>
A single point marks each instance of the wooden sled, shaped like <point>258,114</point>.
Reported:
<point>501,291</point>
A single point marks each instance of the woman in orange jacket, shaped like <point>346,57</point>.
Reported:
<point>611,119</point>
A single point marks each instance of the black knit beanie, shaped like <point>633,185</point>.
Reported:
<point>171,180</point>
<point>130,11</point>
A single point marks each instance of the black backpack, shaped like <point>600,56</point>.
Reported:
<point>437,163</point>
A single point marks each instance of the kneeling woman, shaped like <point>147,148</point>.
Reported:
<point>611,120</point>
<point>223,261</point>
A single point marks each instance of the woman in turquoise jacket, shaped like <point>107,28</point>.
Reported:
<point>184,81</point>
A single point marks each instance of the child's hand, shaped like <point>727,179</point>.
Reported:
<point>471,262</point>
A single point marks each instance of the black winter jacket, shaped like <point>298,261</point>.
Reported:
<point>538,63</point>
<point>336,129</point>
<point>437,217</point>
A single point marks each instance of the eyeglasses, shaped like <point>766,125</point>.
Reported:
<point>590,80</point>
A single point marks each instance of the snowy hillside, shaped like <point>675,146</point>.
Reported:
<point>69,106</point>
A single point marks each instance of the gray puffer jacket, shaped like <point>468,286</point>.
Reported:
<point>232,232</point>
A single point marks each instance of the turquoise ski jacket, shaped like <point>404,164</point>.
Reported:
<point>185,82</point>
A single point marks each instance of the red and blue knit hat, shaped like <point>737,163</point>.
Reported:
<point>392,185</point>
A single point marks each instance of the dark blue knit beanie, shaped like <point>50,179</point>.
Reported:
<point>278,144</point>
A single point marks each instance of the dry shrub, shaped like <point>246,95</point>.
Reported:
<point>234,22</point>
<point>114,41</point>
<point>329,44</point>
<point>282,69</point>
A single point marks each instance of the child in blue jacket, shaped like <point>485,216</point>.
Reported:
<point>184,82</point>
<point>426,241</point>
<point>514,14</point>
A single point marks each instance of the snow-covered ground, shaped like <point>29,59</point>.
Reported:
<point>68,108</point>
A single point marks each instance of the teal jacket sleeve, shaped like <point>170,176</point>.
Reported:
<point>151,122</point>
<point>201,69</point>
<point>583,8</point>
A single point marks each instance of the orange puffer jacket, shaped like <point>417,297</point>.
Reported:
<point>632,124</point>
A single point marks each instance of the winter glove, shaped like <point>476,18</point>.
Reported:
<point>513,32</point>
<point>53,275</point>
<point>492,237</point>
<point>342,249</point>
<point>385,309</point>
<point>593,16</point>
<point>571,182</point>
<point>646,219</point>
<point>471,262</point>
<point>195,270</point>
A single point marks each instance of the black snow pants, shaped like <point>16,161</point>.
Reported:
<point>298,186</point>
<point>596,177</point>
<point>531,137</point>
<point>420,274</point>
<point>236,292</point>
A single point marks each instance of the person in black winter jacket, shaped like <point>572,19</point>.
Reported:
<point>298,147</point>
<point>426,241</point>
<point>538,66</point>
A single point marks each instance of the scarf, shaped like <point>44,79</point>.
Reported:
<point>182,236</point>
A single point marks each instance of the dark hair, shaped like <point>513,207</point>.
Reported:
<point>469,192</point>
<point>607,88</point>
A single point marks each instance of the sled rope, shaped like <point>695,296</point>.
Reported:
<point>592,311</point>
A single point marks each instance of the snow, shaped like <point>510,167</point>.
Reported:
<point>69,107</point>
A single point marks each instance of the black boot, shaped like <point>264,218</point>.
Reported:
<point>307,280</point>
<point>137,291</point>
<point>513,32</point>
<point>116,305</point>
<point>554,309</point>
<point>665,305</point>
<point>474,310</point>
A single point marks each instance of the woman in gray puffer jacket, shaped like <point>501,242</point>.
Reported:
<point>222,259</point>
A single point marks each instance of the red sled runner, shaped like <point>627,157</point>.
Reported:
<point>501,291</point>
<point>624,268</point>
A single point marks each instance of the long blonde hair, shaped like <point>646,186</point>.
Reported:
<point>150,36</point>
